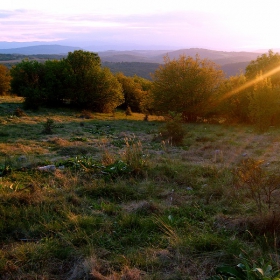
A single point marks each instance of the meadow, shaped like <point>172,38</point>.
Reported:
<point>104,196</point>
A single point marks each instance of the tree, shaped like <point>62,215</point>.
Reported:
<point>56,81</point>
<point>133,93</point>
<point>185,86</point>
<point>104,91</point>
<point>27,78</point>
<point>78,78</point>
<point>5,79</point>
<point>264,103</point>
<point>233,100</point>
<point>268,64</point>
<point>91,86</point>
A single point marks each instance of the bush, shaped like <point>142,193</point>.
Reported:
<point>19,112</point>
<point>258,183</point>
<point>128,111</point>
<point>173,130</point>
<point>263,105</point>
<point>48,126</point>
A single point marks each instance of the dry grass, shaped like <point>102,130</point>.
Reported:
<point>172,213</point>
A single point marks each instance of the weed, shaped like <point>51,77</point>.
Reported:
<point>48,126</point>
<point>251,177</point>
<point>19,112</point>
<point>247,269</point>
<point>86,114</point>
<point>173,130</point>
<point>128,111</point>
<point>134,156</point>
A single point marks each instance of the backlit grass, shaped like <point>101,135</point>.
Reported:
<point>122,203</point>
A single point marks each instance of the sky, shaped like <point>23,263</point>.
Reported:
<point>229,25</point>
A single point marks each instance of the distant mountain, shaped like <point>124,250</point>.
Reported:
<point>139,62</point>
<point>232,63</point>
<point>148,56</point>
<point>233,69</point>
<point>41,49</point>
<point>218,57</point>
<point>129,69</point>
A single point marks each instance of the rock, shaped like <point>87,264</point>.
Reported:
<point>47,168</point>
<point>22,158</point>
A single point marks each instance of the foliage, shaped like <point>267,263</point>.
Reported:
<point>78,79</point>
<point>106,94</point>
<point>259,184</point>
<point>264,103</point>
<point>55,82</point>
<point>128,111</point>
<point>173,130</point>
<point>185,86</point>
<point>247,269</point>
<point>267,64</point>
<point>134,156</point>
<point>233,100</point>
<point>48,126</point>
<point>133,91</point>
<point>19,112</point>
<point>90,86</point>
<point>5,79</point>
<point>27,80</point>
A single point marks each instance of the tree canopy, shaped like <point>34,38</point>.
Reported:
<point>266,64</point>
<point>5,79</point>
<point>79,78</point>
<point>185,86</point>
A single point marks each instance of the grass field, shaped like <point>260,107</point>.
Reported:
<point>119,202</point>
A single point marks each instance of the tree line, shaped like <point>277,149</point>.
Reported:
<point>194,88</point>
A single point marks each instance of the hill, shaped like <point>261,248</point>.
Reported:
<point>41,49</point>
<point>139,62</point>
<point>141,69</point>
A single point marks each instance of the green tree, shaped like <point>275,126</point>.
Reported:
<point>133,93</point>
<point>5,79</point>
<point>233,100</point>
<point>27,79</point>
<point>56,81</point>
<point>264,103</point>
<point>267,64</point>
<point>186,86</point>
<point>91,86</point>
<point>105,92</point>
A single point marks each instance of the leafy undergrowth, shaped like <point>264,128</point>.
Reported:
<point>118,202</point>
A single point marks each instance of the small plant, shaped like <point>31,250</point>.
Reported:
<point>134,156</point>
<point>19,112</point>
<point>128,111</point>
<point>257,182</point>
<point>247,269</point>
<point>48,126</point>
<point>173,129</point>
<point>86,114</point>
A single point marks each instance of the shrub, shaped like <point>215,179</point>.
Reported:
<point>19,112</point>
<point>128,111</point>
<point>173,129</point>
<point>257,182</point>
<point>86,114</point>
<point>48,126</point>
<point>263,105</point>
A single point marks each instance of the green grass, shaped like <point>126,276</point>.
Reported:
<point>124,204</point>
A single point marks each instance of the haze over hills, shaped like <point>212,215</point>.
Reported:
<point>41,49</point>
<point>231,62</point>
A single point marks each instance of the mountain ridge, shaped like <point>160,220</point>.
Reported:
<point>231,63</point>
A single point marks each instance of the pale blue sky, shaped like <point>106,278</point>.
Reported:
<point>213,24</point>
